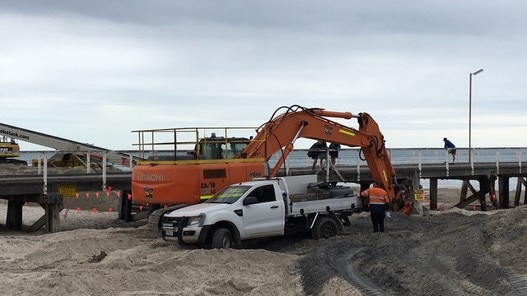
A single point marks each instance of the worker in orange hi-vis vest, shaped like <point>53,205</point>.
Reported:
<point>378,203</point>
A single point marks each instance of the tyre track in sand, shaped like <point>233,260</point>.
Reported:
<point>364,285</point>
<point>335,260</point>
<point>455,253</point>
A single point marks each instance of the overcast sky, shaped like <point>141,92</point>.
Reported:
<point>94,71</point>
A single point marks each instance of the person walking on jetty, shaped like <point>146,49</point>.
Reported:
<point>378,203</point>
<point>317,151</point>
<point>451,148</point>
<point>334,152</point>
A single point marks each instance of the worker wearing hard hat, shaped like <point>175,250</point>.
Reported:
<point>379,203</point>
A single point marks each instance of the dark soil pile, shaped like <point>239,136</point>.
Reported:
<point>451,253</point>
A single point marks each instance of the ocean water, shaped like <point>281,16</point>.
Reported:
<point>351,157</point>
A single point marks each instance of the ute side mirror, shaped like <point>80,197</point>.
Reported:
<point>250,200</point>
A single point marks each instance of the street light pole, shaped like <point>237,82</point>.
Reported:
<point>470,114</point>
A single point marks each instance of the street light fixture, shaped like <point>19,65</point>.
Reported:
<point>470,114</point>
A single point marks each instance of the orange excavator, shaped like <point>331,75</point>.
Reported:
<point>188,177</point>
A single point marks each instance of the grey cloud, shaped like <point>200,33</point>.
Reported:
<point>334,17</point>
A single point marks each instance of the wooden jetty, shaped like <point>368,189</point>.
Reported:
<point>49,191</point>
<point>485,174</point>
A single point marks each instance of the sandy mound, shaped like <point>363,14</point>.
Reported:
<point>134,261</point>
<point>449,252</point>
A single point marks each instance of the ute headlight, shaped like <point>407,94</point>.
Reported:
<point>196,220</point>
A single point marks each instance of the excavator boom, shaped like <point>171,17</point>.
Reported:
<point>280,133</point>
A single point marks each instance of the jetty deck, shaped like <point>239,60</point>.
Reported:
<point>49,191</point>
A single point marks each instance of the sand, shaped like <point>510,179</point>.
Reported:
<point>447,252</point>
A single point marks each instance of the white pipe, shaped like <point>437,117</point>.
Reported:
<point>45,175</point>
<point>104,171</point>
<point>88,162</point>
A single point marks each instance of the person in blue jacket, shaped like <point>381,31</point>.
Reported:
<point>451,148</point>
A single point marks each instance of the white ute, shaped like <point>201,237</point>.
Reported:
<point>263,208</point>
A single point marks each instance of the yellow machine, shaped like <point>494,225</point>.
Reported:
<point>8,149</point>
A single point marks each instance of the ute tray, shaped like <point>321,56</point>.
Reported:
<point>319,191</point>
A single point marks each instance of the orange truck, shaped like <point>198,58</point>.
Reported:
<point>184,166</point>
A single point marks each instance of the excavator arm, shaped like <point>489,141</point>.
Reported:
<point>280,133</point>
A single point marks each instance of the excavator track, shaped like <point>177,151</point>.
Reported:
<point>154,219</point>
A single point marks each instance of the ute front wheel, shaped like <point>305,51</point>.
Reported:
<point>222,239</point>
<point>324,228</point>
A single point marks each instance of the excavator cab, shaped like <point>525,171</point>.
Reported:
<point>220,147</point>
<point>192,143</point>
